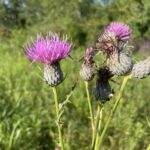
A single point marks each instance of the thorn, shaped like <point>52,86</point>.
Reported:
<point>114,81</point>
<point>81,59</point>
<point>70,57</point>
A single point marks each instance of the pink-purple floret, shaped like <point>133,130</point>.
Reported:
<point>121,30</point>
<point>48,50</point>
<point>89,53</point>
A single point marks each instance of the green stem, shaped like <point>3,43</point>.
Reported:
<point>96,126</point>
<point>112,111</point>
<point>99,125</point>
<point>148,148</point>
<point>57,115</point>
<point>90,109</point>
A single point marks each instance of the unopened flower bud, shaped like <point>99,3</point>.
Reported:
<point>141,69</point>
<point>87,70</point>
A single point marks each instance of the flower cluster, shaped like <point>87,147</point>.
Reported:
<point>114,43</point>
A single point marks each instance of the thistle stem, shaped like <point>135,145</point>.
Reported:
<point>90,109</point>
<point>95,126</point>
<point>118,98</point>
<point>57,115</point>
<point>148,148</point>
<point>99,125</point>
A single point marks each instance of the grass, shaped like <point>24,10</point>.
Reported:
<point>27,106</point>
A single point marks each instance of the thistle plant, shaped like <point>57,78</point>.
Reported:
<point>49,51</point>
<point>114,43</point>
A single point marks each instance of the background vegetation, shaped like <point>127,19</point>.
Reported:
<point>26,102</point>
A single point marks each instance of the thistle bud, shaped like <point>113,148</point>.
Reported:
<point>141,69</point>
<point>120,64</point>
<point>102,90</point>
<point>87,72</point>
<point>53,74</point>
<point>88,66</point>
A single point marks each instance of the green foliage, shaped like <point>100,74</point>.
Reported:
<point>81,19</point>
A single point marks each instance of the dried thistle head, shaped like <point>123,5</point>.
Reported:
<point>102,90</point>
<point>107,43</point>
<point>104,74</point>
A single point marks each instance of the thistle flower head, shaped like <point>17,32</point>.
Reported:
<point>141,69</point>
<point>120,30</point>
<point>48,50</point>
<point>114,38</point>
<point>88,66</point>
<point>89,53</point>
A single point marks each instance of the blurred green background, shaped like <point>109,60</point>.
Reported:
<point>26,103</point>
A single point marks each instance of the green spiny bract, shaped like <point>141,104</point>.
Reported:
<point>120,64</point>
<point>53,74</point>
<point>87,72</point>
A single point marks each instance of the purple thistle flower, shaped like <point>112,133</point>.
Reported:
<point>114,38</point>
<point>121,30</point>
<point>48,50</point>
<point>89,53</point>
